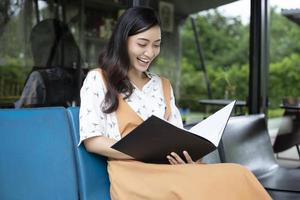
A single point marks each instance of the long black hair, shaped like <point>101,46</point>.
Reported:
<point>115,59</point>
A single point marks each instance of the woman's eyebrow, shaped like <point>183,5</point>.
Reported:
<point>144,39</point>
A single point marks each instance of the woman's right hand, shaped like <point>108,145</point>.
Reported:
<point>175,159</point>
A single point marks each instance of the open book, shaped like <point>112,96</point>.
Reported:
<point>156,138</point>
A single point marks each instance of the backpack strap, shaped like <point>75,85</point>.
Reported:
<point>166,86</point>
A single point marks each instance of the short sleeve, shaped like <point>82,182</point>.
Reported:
<point>92,121</point>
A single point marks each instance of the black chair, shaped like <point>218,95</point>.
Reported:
<point>246,141</point>
<point>289,131</point>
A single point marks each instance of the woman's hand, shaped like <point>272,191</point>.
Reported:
<point>175,159</point>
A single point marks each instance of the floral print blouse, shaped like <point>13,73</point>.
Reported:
<point>146,102</point>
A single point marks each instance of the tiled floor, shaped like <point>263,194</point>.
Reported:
<point>289,158</point>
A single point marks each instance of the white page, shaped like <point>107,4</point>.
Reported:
<point>212,127</point>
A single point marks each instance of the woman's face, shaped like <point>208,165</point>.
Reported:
<point>143,48</point>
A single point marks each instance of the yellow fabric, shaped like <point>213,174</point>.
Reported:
<point>167,95</point>
<point>124,115</point>
<point>140,181</point>
<point>133,180</point>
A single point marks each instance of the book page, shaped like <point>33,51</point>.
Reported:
<point>212,127</point>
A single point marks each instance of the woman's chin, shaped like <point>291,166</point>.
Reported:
<point>142,67</point>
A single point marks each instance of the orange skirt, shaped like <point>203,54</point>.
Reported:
<point>132,180</point>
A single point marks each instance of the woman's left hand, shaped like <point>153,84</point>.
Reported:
<point>175,159</point>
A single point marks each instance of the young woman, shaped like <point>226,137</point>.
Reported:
<point>120,95</point>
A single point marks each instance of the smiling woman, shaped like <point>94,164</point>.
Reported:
<point>142,50</point>
<point>144,47</point>
<point>120,95</point>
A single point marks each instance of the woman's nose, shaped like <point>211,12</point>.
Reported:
<point>150,52</point>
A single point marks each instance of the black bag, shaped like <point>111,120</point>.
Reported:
<point>57,59</point>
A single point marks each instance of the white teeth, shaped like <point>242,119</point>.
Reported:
<point>144,60</point>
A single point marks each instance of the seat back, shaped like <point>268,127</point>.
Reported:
<point>92,169</point>
<point>212,157</point>
<point>246,141</point>
<point>37,160</point>
<point>289,130</point>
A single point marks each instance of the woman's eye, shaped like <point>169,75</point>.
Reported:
<point>157,45</point>
<point>142,45</point>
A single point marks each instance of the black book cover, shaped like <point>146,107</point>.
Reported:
<point>155,138</point>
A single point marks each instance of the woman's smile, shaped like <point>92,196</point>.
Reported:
<point>143,48</point>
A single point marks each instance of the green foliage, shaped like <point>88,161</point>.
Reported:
<point>12,77</point>
<point>231,83</point>
<point>224,40</point>
<point>13,73</point>
<point>284,37</point>
<point>275,112</point>
<point>225,46</point>
<point>192,86</point>
<point>12,39</point>
<point>225,43</point>
<point>14,60</point>
<point>165,67</point>
<point>284,79</point>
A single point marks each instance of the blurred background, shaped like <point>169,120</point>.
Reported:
<point>48,46</point>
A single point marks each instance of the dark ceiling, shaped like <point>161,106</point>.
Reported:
<point>292,14</point>
<point>186,7</point>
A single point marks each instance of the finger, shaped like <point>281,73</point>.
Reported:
<point>188,157</point>
<point>177,158</point>
<point>171,160</point>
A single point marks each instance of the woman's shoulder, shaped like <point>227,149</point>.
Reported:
<point>94,74</point>
<point>94,78</point>
<point>94,71</point>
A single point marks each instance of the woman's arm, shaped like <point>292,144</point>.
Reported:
<point>96,128</point>
<point>102,145</point>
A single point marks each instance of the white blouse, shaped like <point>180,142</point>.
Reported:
<point>146,102</point>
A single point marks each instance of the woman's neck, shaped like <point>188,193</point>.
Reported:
<point>139,79</point>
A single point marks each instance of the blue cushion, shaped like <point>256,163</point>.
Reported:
<point>37,160</point>
<point>92,169</point>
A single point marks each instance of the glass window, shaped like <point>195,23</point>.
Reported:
<point>47,47</point>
